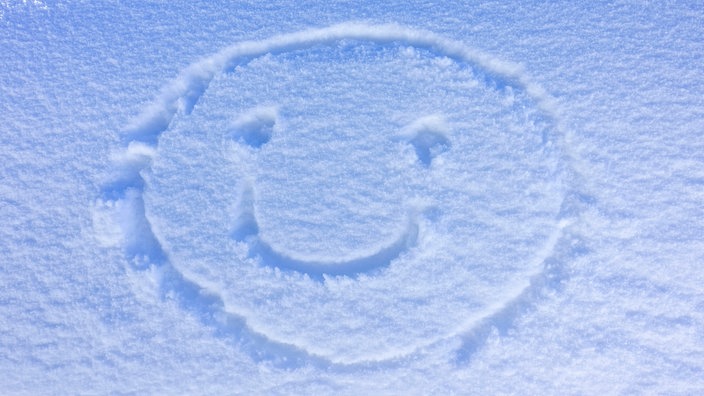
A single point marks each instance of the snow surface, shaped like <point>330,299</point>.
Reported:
<point>313,198</point>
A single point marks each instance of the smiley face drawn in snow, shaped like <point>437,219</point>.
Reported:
<point>357,197</point>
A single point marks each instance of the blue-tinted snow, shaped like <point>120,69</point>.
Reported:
<point>474,199</point>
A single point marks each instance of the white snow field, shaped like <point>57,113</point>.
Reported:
<point>351,198</point>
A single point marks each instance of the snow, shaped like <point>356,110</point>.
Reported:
<point>309,198</point>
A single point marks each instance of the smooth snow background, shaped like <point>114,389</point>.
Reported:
<point>627,315</point>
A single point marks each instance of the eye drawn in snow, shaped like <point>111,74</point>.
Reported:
<point>428,135</point>
<point>255,127</point>
<point>346,195</point>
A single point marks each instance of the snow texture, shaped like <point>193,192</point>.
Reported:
<point>311,198</point>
